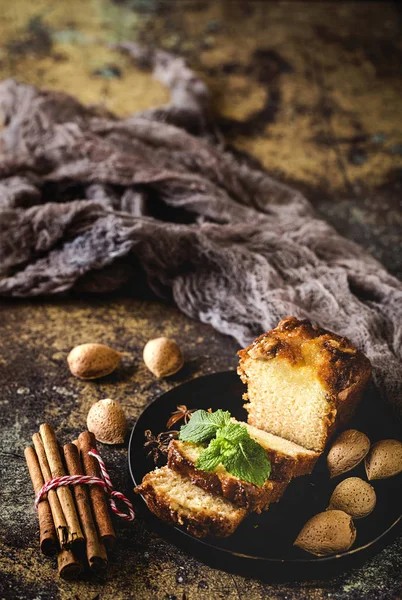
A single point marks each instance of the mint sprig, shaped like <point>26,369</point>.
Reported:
<point>230,444</point>
<point>203,426</point>
<point>210,457</point>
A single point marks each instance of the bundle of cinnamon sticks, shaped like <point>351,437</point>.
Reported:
<point>74,523</point>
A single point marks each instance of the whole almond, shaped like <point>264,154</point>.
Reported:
<point>347,452</point>
<point>384,460</point>
<point>328,532</point>
<point>91,361</point>
<point>354,496</point>
<point>163,357</point>
<point>107,421</point>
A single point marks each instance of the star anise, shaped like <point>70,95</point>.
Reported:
<point>157,446</point>
<point>182,412</point>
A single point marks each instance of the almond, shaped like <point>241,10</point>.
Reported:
<point>354,496</point>
<point>328,532</point>
<point>107,421</point>
<point>163,357</point>
<point>384,460</point>
<point>347,452</point>
<point>90,361</point>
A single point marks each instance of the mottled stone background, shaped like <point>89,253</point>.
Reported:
<point>313,91</point>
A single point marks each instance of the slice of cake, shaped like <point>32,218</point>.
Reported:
<point>303,382</point>
<point>176,500</point>
<point>182,457</point>
<point>287,459</point>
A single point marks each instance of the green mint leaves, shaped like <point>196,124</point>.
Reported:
<point>203,426</point>
<point>249,462</point>
<point>210,458</point>
<point>230,444</point>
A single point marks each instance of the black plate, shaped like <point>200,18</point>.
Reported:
<point>263,544</point>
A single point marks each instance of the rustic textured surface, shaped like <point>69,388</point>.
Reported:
<point>314,92</point>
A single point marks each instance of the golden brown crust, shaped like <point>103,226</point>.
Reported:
<point>200,523</point>
<point>284,467</point>
<point>245,495</point>
<point>342,369</point>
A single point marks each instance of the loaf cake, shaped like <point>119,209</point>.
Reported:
<point>182,457</point>
<point>303,382</point>
<point>176,500</point>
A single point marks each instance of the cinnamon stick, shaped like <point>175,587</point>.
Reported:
<point>47,532</point>
<point>63,493</point>
<point>95,549</point>
<point>100,506</point>
<point>68,565</point>
<point>59,521</point>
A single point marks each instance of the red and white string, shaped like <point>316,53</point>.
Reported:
<point>104,483</point>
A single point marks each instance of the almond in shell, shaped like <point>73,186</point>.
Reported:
<point>107,421</point>
<point>347,451</point>
<point>163,357</point>
<point>328,532</point>
<point>354,496</point>
<point>91,361</point>
<point>384,460</point>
